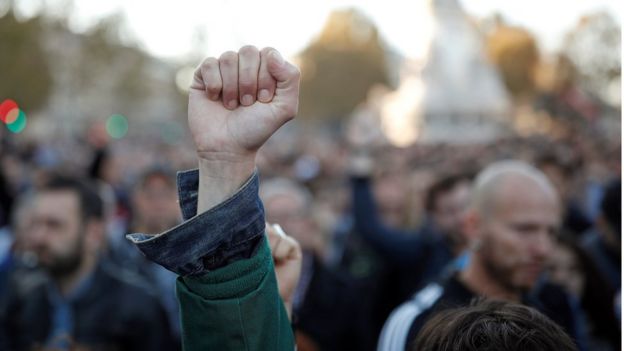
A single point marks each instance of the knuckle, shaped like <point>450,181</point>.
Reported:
<point>209,63</point>
<point>264,79</point>
<point>265,52</point>
<point>246,84</point>
<point>228,58</point>
<point>267,49</point>
<point>213,87</point>
<point>248,50</point>
<point>230,93</point>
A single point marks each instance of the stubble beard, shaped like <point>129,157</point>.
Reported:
<point>499,273</point>
<point>63,266</point>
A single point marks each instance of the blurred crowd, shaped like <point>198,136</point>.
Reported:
<point>66,205</point>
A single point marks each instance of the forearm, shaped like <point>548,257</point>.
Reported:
<point>395,245</point>
<point>221,177</point>
<point>227,232</point>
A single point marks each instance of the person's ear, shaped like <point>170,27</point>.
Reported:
<point>471,224</point>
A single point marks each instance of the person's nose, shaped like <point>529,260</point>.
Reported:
<point>38,236</point>
<point>542,246</point>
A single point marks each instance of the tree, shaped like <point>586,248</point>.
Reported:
<point>514,52</point>
<point>340,66</point>
<point>24,70</point>
<point>593,48</point>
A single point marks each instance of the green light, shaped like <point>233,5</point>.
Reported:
<point>117,126</point>
<point>19,124</point>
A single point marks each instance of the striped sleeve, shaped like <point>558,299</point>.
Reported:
<point>396,329</point>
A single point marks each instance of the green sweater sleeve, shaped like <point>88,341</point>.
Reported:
<point>236,307</point>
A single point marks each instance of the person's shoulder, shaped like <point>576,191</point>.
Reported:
<point>549,294</point>
<point>409,317</point>
<point>25,289</point>
<point>128,285</point>
<point>553,301</point>
<point>406,320</point>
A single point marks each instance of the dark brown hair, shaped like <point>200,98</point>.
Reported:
<point>444,185</point>
<point>91,205</point>
<point>489,325</point>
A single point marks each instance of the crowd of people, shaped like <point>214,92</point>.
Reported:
<point>389,237</point>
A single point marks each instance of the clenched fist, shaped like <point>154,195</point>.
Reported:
<point>239,100</point>
<point>287,259</point>
<point>236,103</point>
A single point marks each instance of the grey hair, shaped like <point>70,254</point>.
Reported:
<point>285,187</point>
<point>490,178</point>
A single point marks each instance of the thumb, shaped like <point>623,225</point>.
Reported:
<point>287,77</point>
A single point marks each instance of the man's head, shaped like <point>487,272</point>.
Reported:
<point>492,326</point>
<point>446,201</point>
<point>66,228</point>
<point>390,195</point>
<point>512,223</point>
<point>154,200</point>
<point>290,205</point>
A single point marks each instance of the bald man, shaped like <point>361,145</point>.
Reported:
<point>512,221</point>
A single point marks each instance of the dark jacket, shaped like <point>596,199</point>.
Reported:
<point>114,312</point>
<point>405,322</point>
<point>333,314</point>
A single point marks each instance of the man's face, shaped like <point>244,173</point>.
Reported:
<point>391,196</point>
<point>155,204</point>
<point>56,231</point>
<point>449,209</point>
<point>289,212</point>
<point>517,236</point>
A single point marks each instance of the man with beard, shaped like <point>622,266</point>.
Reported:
<point>85,303</point>
<point>511,223</point>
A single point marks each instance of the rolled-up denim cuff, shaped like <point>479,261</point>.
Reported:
<point>188,185</point>
<point>229,232</point>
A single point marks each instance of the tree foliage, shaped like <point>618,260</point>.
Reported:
<point>340,66</point>
<point>514,52</point>
<point>24,69</point>
<point>593,48</point>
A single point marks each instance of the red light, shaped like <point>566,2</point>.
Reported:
<point>7,106</point>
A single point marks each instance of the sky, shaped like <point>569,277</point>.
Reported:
<point>168,29</point>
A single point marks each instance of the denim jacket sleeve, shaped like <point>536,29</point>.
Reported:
<point>227,287</point>
<point>226,233</point>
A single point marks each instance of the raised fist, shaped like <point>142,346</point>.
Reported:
<point>287,258</point>
<point>239,100</point>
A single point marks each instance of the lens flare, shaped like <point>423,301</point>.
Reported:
<point>117,126</point>
<point>7,106</point>
<point>11,117</point>
<point>19,124</point>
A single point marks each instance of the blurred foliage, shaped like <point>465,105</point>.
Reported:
<point>24,69</point>
<point>593,48</point>
<point>514,52</point>
<point>340,66</point>
<point>103,50</point>
<point>83,77</point>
